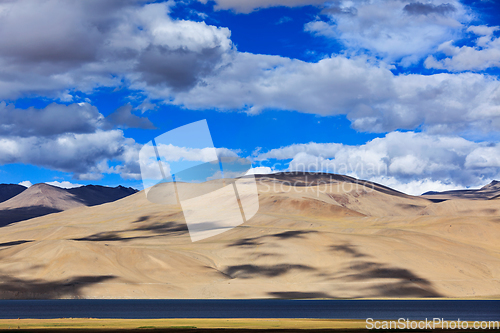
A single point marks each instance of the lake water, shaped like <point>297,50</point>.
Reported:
<point>330,309</point>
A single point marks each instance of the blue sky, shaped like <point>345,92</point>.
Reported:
<point>402,92</point>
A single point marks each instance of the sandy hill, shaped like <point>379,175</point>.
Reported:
<point>8,191</point>
<point>42,199</point>
<point>356,197</point>
<point>345,239</point>
<point>489,191</point>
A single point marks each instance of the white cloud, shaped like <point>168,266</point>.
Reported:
<point>484,157</point>
<point>408,161</point>
<point>326,150</point>
<point>174,153</point>
<point>403,31</point>
<point>260,171</point>
<point>175,159</point>
<point>247,6</point>
<point>64,184</point>
<point>371,96</point>
<point>485,54</point>
<point>26,183</point>
<point>76,153</point>
<point>482,30</point>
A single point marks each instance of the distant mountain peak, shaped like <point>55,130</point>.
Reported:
<point>42,199</point>
<point>8,191</point>
<point>43,185</point>
<point>495,184</point>
<point>490,191</point>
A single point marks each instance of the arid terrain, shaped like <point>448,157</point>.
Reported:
<point>315,236</point>
<point>20,203</point>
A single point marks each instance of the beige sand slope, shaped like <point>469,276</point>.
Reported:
<point>42,199</point>
<point>332,237</point>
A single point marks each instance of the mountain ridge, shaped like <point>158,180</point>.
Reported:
<point>42,199</point>
<point>487,192</point>
<point>8,191</point>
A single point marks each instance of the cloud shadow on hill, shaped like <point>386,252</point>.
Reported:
<point>252,271</point>
<point>18,242</point>
<point>401,282</point>
<point>255,241</point>
<point>363,273</point>
<point>9,216</point>
<point>394,281</point>
<point>164,228</point>
<point>17,288</point>
<point>348,249</point>
<point>145,229</point>
<point>108,237</point>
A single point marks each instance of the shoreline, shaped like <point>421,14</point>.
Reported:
<point>471,298</point>
<point>187,323</point>
<point>192,324</point>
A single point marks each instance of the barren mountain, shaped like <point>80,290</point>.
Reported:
<point>329,237</point>
<point>92,195</point>
<point>8,191</point>
<point>42,199</point>
<point>489,191</point>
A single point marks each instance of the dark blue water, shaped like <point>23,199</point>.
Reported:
<point>331,309</point>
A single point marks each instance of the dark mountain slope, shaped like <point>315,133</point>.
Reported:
<point>8,191</point>
<point>92,195</point>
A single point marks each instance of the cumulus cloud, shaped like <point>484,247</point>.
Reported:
<point>408,161</point>
<point>485,54</point>
<point>54,119</point>
<point>247,6</point>
<point>26,183</point>
<point>261,170</point>
<point>482,30</point>
<point>63,184</point>
<point>76,153</point>
<point>397,31</point>
<point>73,138</point>
<point>327,150</point>
<point>175,159</point>
<point>48,47</point>
<point>371,96</point>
